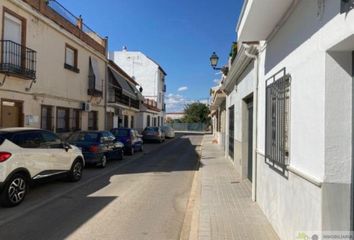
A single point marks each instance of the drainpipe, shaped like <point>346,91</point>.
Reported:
<point>255,135</point>
<point>106,86</point>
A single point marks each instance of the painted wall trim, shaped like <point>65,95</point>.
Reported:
<point>305,176</point>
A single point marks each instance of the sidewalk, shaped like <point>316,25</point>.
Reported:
<point>226,208</point>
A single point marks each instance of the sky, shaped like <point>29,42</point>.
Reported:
<point>178,34</point>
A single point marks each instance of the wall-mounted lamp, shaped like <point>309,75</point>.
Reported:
<point>214,59</point>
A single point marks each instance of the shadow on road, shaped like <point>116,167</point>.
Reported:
<point>58,216</point>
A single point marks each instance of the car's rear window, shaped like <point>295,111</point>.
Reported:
<point>3,136</point>
<point>84,137</point>
<point>121,132</point>
<point>151,129</point>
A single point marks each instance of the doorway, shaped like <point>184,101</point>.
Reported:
<point>231,131</point>
<point>250,140</point>
<point>11,113</point>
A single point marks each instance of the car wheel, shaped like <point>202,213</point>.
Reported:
<point>14,191</point>
<point>121,155</point>
<point>75,173</point>
<point>103,162</point>
<point>131,151</point>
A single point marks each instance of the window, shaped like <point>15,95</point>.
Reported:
<point>154,122</point>
<point>50,140</point>
<point>277,122</point>
<point>28,140</point>
<point>158,121</point>
<point>92,120</point>
<point>126,121</point>
<point>148,121</point>
<point>132,122</point>
<point>47,118</point>
<point>75,120</point>
<point>63,120</point>
<point>71,59</point>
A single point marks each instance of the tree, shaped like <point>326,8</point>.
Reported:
<point>196,113</point>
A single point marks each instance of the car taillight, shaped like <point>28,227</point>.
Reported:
<point>4,156</point>
<point>93,149</point>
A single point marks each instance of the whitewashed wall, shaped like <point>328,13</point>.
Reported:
<point>320,122</point>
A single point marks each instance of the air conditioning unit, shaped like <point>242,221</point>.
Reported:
<point>86,107</point>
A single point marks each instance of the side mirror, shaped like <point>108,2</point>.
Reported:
<point>66,146</point>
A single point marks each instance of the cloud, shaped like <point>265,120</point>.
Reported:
<point>182,89</point>
<point>177,102</point>
<point>217,81</point>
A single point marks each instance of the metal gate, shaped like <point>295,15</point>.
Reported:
<point>231,131</point>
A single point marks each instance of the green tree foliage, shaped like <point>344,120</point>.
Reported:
<point>196,113</point>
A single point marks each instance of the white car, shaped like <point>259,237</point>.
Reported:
<point>169,132</point>
<point>30,154</point>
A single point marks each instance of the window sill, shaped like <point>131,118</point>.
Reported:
<point>71,68</point>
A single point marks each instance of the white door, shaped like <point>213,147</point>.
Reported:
<point>12,32</point>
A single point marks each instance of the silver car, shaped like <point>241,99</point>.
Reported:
<point>169,132</point>
<point>153,134</point>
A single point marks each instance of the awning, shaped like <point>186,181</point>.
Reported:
<point>123,83</point>
<point>138,93</point>
<point>95,71</point>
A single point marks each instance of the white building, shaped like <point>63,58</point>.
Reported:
<point>218,114</point>
<point>150,76</point>
<point>290,112</point>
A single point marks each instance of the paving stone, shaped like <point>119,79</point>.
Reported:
<point>226,208</point>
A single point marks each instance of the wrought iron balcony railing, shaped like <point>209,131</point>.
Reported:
<point>18,60</point>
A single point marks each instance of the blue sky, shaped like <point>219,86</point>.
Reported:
<point>179,34</point>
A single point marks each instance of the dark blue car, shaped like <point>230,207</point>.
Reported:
<point>97,146</point>
<point>130,138</point>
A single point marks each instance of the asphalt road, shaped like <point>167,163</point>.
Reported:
<point>141,197</point>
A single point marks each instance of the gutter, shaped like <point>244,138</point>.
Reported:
<point>238,66</point>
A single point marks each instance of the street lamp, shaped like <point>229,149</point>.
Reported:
<point>214,59</point>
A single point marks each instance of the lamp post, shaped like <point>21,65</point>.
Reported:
<point>214,59</point>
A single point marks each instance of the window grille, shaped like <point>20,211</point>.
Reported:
<point>277,120</point>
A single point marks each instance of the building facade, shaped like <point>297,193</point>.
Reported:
<point>218,114</point>
<point>290,112</point>
<point>52,70</point>
<point>149,75</point>
<point>124,99</point>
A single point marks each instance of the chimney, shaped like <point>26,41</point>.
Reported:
<point>79,22</point>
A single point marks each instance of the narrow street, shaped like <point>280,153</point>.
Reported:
<point>142,197</point>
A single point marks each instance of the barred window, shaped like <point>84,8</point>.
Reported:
<point>277,121</point>
<point>92,120</point>
<point>75,120</point>
<point>62,120</point>
<point>47,118</point>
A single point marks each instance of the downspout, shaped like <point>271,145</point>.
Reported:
<point>106,86</point>
<point>255,135</point>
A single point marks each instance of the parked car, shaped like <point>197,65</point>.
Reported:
<point>169,132</point>
<point>130,138</point>
<point>97,146</point>
<point>153,134</point>
<point>30,154</point>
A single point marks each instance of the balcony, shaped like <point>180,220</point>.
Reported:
<point>258,18</point>
<point>17,60</point>
<point>116,96</point>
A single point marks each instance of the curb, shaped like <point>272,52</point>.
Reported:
<point>190,228</point>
